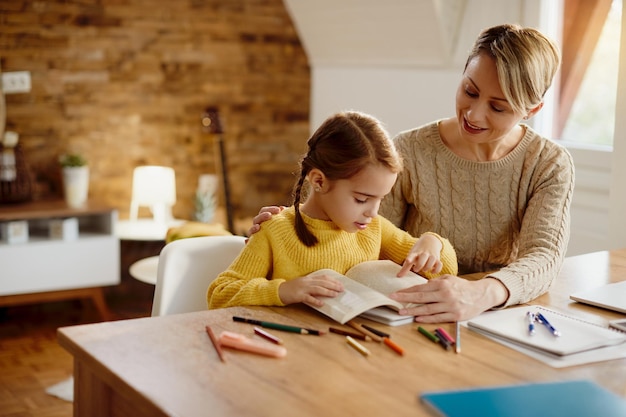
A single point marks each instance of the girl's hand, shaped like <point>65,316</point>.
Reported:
<point>424,256</point>
<point>306,289</point>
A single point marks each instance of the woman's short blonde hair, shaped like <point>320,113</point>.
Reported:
<point>526,61</point>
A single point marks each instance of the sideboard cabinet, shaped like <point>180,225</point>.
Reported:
<point>67,253</point>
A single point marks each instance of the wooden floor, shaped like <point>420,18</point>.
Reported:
<point>30,357</point>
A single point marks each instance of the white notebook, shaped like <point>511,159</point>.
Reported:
<point>610,296</point>
<point>511,324</point>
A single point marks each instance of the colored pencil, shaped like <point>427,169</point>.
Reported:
<point>354,335</point>
<point>277,326</point>
<point>216,344</point>
<point>356,345</point>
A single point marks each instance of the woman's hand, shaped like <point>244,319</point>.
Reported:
<point>306,289</point>
<point>450,298</point>
<point>265,214</point>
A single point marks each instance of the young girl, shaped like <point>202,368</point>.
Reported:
<point>351,164</point>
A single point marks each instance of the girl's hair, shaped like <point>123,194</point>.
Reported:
<point>341,147</point>
<point>526,61</point>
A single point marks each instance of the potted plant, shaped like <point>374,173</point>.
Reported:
<point>75,172</point>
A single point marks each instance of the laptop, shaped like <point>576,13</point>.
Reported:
<point>610,296</point>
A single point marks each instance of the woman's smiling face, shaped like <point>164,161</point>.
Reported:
<point>483,113</point>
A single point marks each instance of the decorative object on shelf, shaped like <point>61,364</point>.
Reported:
<point>15,177</point>
<point>205,202</point>
<point>63,229</point>
<point>211,124</point>
<point>75,179</point>
<point>14,231</point>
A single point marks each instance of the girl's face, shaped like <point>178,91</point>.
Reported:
<point>483,114</point>
<point>352,203</point>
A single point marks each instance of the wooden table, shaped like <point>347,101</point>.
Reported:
<point>166,366</point>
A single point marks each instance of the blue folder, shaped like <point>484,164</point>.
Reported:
<point>578,398</point>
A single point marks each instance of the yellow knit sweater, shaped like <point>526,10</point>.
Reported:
<point>275,254</point>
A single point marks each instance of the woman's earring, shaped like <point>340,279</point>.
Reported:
<point>317,189</point>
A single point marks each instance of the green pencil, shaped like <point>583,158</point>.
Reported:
<point>277,326</point>
<point>428,334</point>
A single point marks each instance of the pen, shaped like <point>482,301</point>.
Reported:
<point>356,345</point>
<point>354,335</point>
<point>359,327</point>
<point>376,331</point>
<point>216,344</point>
<point>268,336</point>
<point>457,342</point>
<point>531,322</point>
<point>546,323</point>
<point>277,326</point>
<point>393,346</point>
<point>428,334</point>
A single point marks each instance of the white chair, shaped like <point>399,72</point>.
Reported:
<point>153,187</point>
<point>187,267</point>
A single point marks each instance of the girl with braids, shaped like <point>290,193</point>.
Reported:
<point>351,164</point>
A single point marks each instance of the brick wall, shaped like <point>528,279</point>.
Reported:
<point>125,82</point>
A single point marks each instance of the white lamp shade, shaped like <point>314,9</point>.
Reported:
<point>154,185</point>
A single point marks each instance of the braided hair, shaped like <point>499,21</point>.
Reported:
<point>341,147</point>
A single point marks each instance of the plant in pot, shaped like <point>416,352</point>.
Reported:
<point>75,173</point>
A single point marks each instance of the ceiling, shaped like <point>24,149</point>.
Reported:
<point>398,33</point>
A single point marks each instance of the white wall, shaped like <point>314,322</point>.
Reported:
<point>401,98</point>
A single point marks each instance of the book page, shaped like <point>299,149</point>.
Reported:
<point>366,286</point>
<point>381,276</point>
<point>355,299</point>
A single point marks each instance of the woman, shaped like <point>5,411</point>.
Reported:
<point>496,189</point>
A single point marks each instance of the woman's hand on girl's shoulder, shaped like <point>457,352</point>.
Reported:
<point>264,215</point>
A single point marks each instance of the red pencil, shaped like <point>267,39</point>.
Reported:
<point>216,344</point>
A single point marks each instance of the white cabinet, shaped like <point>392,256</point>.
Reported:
<point>46,266</point>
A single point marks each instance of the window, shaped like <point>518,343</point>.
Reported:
<point>588,117</point>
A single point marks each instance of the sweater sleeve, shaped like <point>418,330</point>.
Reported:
<point>544,232</point>
<point>244,282</point>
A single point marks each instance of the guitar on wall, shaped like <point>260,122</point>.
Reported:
<point>211,124</point>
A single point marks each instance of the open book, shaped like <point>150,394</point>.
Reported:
<point>366,287</point>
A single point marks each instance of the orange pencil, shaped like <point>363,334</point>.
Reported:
<point>393,346</point>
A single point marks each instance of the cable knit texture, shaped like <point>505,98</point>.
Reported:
<point>275,254</point>
<point>510,216</point>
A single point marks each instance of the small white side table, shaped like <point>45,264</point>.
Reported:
<point>145,270</point>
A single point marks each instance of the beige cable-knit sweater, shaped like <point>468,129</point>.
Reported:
<point>509,216</point>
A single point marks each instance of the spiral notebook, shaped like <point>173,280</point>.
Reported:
<point>577,336</point>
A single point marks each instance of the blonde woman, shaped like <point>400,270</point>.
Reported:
<point>495,188</point>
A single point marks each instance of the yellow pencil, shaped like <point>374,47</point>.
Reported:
<point>356,345</point>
